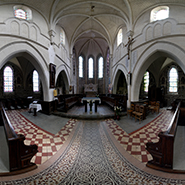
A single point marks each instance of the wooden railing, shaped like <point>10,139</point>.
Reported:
<point>162,151</point>
<point>20,154</point>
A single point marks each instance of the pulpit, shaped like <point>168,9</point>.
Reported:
<point>90,89</point>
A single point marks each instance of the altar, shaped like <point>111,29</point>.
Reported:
<point>36,107</point>
<point>90,89</point>
<point>91,100</point>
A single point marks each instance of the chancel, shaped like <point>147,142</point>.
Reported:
<point>105,83</point>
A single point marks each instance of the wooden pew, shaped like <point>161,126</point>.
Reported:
<point>70,101</point>
<point>109,101</point>
<point>162,151</point>
<point>20,154</point>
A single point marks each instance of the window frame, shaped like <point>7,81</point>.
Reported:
<point>156,10</point>
<point>119,37</point>
<point>38,84</point>
<point>62,37</point>
<point>12,80</point>
<point>27,10</point>
<point>146,85</point>
<point>82,68</point>
<point>89,71</point>
<point>169,86</point>
<point>100,58</point>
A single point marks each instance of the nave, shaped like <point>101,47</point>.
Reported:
<point>91,152</point>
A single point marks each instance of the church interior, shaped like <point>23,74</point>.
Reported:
<point>92,92</point>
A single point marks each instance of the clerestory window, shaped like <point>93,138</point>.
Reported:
<point>159,13</point>
<point>80,66</point>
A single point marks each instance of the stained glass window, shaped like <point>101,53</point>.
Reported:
<point>20,13</point>
<point>35,81</point>
<point>91,68</point>
<point>173,79</point>
<point>80,67</point>
<point>100,67</point>
<point>8,79</point>
<point>119,37</point>
<point>146,81</point>
<point>159,13</point>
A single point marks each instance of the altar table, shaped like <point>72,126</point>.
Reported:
<point>95,100</point>
<point>36,107</point>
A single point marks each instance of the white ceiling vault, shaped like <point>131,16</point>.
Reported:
<point>94,23</point>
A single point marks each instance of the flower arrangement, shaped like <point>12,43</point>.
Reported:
<point>117,111</point>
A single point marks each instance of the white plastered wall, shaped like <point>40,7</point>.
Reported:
<point>31,39</point>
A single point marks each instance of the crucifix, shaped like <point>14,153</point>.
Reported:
<point>130,41</point>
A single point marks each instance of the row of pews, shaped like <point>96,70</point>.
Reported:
<point>162,151</point>
<point>19,154</point>
<point>65,102</point>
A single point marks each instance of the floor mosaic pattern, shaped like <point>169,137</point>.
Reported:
<point>91,157</point>
<point>48,144</point>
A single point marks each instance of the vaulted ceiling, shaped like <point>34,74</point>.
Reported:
<point>92,24</point>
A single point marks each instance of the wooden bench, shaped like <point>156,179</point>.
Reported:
<point>109,101</point>
<point>20,154</point>
<point>162,151</point>
<point>69,102</point>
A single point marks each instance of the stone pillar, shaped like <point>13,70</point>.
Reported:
<point>129,75</point>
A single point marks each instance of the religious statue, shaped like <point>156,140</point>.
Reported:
<point>130,41</point>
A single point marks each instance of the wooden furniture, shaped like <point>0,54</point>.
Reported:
<point>162,151</point>
<point>20,154</point>
<point>139,115</point>
<point>69,102</point>
<point>109,101</point>
<point>129,111</point>
<point>136,110</point>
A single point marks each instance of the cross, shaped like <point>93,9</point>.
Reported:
<point>130,41</point>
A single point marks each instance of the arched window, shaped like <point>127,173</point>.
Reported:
<point>62,37</point>
<point>8,79</point>
<point>80,66</point>
<point>173,79</point>
<point>22,12</point>
<point>100,67</point>
<point>119,37</point>
<point>35,81</point>
<point>159,13</point>
<point>146,81</point>
<point>91,69</point>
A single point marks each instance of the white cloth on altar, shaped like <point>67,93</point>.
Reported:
<point>93,99</point>
<point>35,106</point>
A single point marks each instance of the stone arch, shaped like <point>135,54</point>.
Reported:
<point>115,76</point>
<point>153,52</point>
<point>30,53</point>
<point>62,68</point>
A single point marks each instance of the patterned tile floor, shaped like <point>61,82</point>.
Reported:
<point>48,144</point>
<point>134,143</point>
<point>91,155</point>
